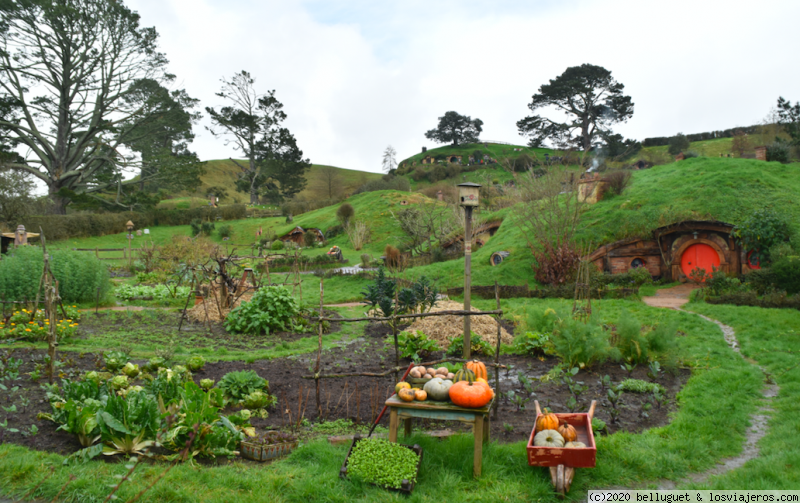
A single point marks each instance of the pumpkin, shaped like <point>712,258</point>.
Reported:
<point>477,368</point>
<point>548,438</point>
<point>470,394</point>
<point>481,379</point>
<point>420,395</point>
<point>438,389</point>
<point>400,386</point>
<point>568,432</point>
<point>547,421</point>
<point>406,394</point>
<point>575,445</point>
<point>464,375</point>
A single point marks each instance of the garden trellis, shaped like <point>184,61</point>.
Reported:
<point>497,313</point>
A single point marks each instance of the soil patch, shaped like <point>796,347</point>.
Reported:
<point>672,298</point>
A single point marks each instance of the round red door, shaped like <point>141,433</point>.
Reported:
<point>699,255</point>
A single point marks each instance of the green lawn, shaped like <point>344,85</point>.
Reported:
<point>709,425</point>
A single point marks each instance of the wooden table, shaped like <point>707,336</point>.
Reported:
<point>443,411</point>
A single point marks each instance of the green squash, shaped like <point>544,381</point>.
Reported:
<point>464,375</point>
<point>438,389</point>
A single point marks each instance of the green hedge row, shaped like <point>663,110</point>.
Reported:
<point>57,227</point>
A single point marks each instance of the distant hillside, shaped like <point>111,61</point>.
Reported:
<point>223,172</point>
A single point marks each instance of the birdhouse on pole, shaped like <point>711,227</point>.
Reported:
<point>469,195</point>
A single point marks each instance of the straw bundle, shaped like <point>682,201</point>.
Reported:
<point>443,329</point>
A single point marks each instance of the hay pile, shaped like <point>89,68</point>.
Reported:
<point>198,312</point>
<point>442,329</point>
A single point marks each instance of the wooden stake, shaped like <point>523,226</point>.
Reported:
<point>319,349</point>
<point>497,353</point>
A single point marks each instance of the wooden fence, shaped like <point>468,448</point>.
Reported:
<point>98,251</point>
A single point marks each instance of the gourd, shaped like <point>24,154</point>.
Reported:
<point>420,395</point>
<point>406,394</point>
<point>400,386</point>
<point>568,432</point>
<point>464,375</point>
<point>477,368</point>
<point>574,445</point>
<point>547,421</point>
<point>548,438</point>
<point>437,389</point>
<point>470,394</point>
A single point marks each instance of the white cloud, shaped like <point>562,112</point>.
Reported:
<point>357,77</point>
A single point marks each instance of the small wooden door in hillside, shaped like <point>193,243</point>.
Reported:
<point>699,255</point>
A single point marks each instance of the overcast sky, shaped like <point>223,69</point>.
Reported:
<point>357,76</point>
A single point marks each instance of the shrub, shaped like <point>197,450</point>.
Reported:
<point>779,151</point>
<point>678,144</point>
<point>556,264</point>
<point>79,274</point>
<point>630,341</point>
<point>345,213</point>
<point>618,180</point>
<point>225,231</point>
<point>762,230</point>
<point>395,183</point>
<point>277,245</point>
<point>271,308</point>
<point>786,274</point>
<point>418,174</point>
<point>437,173</point>
<point>201,228</point>
<point>310,238</point>
<point>581,344</point>
<point>690,154</point>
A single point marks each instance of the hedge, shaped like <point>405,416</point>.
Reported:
<point>57,227</point>
<point>708,135</point>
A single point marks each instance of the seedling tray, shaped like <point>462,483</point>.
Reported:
<point>405,487</point>
<point>268,452</point>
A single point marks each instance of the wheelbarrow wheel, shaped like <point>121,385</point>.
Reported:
<point>561,476</point>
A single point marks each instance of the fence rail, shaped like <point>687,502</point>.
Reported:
<point>98,251</point>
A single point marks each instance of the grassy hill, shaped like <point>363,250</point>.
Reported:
<point>223,172</point>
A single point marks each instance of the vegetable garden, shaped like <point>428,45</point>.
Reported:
<point>171,392</point>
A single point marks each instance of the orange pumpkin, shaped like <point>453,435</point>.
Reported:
<point>406,395</point>
<point>420,395</point>
<point>472,395</point>
<point>477,368</point>
<point>568,432</point>
<point>547,421</point>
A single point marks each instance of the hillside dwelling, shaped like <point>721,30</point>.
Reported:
<point>676,250</point>
<point>591,189</point>
<point>19,237</point>
<point>296,235</point>
<point>480,235</point>
<point>427,160</point>
<point>454,159</point>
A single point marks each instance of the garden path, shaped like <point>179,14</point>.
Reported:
<point>673,298</point>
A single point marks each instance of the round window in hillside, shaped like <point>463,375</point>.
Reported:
<point>638,262</point>
<point>754,259</point>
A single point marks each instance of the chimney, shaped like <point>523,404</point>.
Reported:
<point>440,196</point>
<point>424,149</point>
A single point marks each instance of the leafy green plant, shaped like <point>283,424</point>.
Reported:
<point>258,400</point>
<point>206,384</point>
<point>532,343</point>
<point>415,345</point>
<point>131,370</point>
<point>630,341</point>
<point>581,344</point>
<point>196,363</point>
<point>639,386</point>
<point>237,385</point>
<point>201,228</point>
<point>115,360</point>
<point>157,292</point>
<point>477,345</point>
<point>271,308</point>
<point>225,231</point>
<point>155,363</point>
<point>760,231</point>
<point>128,424</point>
<point>381,462</point>
<point>380,295</point>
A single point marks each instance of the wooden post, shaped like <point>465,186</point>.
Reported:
<point>497,352</point>
<point>186,306</point>
<point>319,349</point>
<point>394,334</point>
<point>467,279</point>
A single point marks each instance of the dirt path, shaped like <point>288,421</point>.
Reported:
<point>672,298</point>
<point>675,298</point>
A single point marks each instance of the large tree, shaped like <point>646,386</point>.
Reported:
<point>592,100</point>
<point>456,128</point>
<point>68,67</point>
<point>789,118</point>
<point>274,167</point>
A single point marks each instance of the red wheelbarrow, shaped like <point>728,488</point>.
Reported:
<point>562,462</point>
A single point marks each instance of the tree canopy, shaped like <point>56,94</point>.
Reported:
<point>789,118</point>
<point>69,73</point>
<point>592,100</point>
<point>275,168</point>
<point>456,128</point>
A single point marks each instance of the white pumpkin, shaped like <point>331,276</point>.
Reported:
<point>548,438</point>
<point>438,389</point>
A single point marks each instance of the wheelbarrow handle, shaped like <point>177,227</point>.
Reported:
<point>591,409</point>
<point>538,409</point>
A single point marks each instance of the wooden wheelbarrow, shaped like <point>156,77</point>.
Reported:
<point>562,462</point>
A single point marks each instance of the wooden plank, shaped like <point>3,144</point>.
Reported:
<point>393,425</point>
<point>393,401</point>
<point>440,415</point>
<point>477,432</point>
<point>407,427</point>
